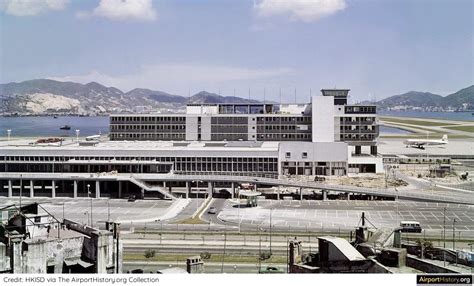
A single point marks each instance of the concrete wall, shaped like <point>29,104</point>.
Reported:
<point>191,128</point>
<point>317,152</point>
<point>323,119</point>
<point>206,128</point>
<point>4,259</point>
<point>425,266</point>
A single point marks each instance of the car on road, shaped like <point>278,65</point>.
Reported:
<point>270,270</point>
<point>212,210</point>
<point>410,226</point>
<point>132,198</point>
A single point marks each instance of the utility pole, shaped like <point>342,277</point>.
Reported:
<point>271,210</point>
<point>223,255</point>
<point>454,233</point>
<point>21,188</point>
<point>444,236</point>
<point>259,250</point>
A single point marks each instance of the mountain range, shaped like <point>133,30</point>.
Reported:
<point>45,96</point>
<point>458,101</point>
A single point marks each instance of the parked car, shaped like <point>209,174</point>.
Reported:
<point>132,198</point>
<point>212,210</point>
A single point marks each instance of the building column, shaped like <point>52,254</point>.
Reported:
<point>142,193</point>
<point>278,193</point>
<point>53,189</point>
<point>232,193</point>
<point>75,189</point>
<point>371,197</point>
<point>97,189</point>
<point>10,192</point>
<point>32,189</point>
<point>120,189</point>
<point>325,195</point>
<point>301,194</point>
<point>348,196</point>
<point>188,189</point>
<point>210,188</point>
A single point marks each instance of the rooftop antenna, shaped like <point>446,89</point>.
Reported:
<point>234,92</point>
<point>280,95</point>
<point>249,94</point>
<point>264,95</point>
<point>295,95</point>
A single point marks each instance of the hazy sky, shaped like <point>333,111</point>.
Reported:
<point>376,48</point>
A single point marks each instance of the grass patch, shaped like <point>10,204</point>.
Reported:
<point>191,220</point>
<point>469,128</point>
<point>214,258</point>
<point>415,122</point>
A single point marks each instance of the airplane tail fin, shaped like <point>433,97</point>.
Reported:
<point>445,138</point>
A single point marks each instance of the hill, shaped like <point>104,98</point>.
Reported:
<point>415,100</point>
<point>45,96</point>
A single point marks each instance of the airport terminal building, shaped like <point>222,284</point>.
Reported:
<point>325,137</point>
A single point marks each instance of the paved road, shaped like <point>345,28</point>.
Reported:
<point>209,267</point>
<point>344,215</point>
<point>453,197</point>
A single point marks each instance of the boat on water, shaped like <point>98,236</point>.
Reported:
<point>65,127</point>
<point>55,116</point>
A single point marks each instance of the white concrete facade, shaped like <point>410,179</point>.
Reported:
<point>323,118</point>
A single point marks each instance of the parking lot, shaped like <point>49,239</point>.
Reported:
<point>119,210</point>
<point>345,215</point>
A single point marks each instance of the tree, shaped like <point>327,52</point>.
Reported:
<point>265,255</point>
<point>205,255</point>
<point>149,253</point>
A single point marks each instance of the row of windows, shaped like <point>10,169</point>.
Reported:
<point>157,159</point>
<point>299,119</point>
<point>147,136</point>
<point>283,127</point>
<point>315,164</point>
<point>284,137</point>
<point>139,119</point>
<point>357,137</point>
<point>148,127</point>
<point>361,109</point>
<point>357,128</point>
<point>356,119</point>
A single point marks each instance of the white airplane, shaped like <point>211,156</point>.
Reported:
<point>93,137</point>
<point>421,143</point>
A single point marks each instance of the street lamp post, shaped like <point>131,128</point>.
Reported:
<point>90,196</point>
<point>86,213</point>
<point>9,132</point>
<point>161,228</point>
